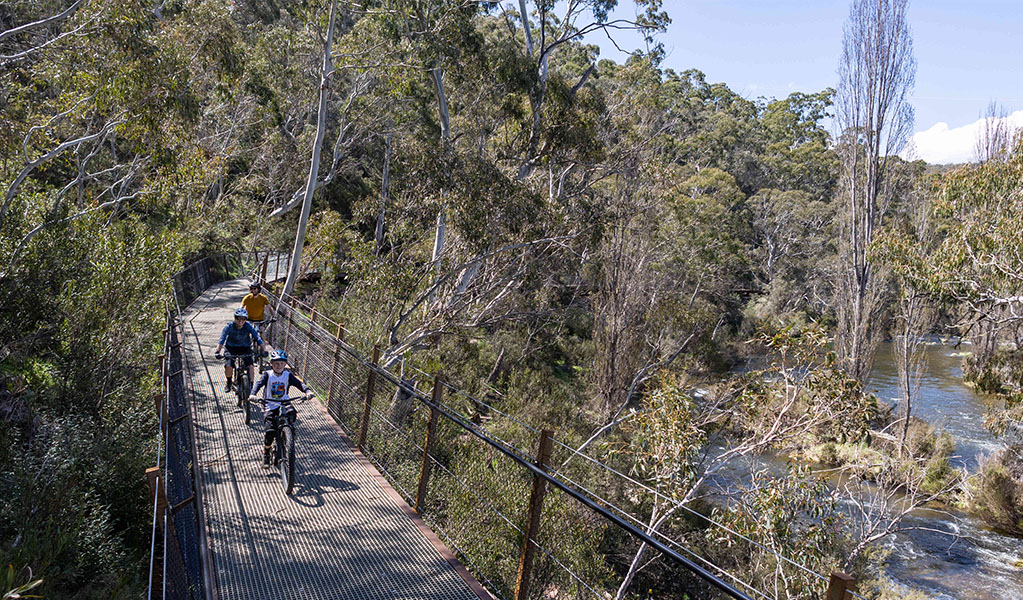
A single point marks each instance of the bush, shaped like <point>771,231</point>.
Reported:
<point>997,491</point>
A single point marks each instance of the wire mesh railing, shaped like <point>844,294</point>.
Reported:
<point>469,469</point>
<point>471,482</point>
<point>176,569</point>
<point>180,565</point>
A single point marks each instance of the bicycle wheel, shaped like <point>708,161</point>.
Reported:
<point>239,386</point>
<point>243,388</point>
<point>287,454</point>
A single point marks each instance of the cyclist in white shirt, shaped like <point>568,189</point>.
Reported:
<point>275,384</point>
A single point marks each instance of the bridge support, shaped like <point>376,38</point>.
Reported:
<point>333,364</point>
<point>543,456</point>
<point>840,586</point>
<point>431,434</point>
<point>308,342</point>
<point>371,384</point>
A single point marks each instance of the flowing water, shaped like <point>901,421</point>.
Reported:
<point>978,563</point>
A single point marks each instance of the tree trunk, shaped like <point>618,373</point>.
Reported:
<point>876,74</point>
<point>314,164</point>
<point>445,138</point>
<point>385,183</point>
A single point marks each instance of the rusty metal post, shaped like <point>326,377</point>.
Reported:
<point>266,257</point>
<point>287,330</point>
<point>543,455</point>
<point>840,586</point>
<point>154,477</point>
<point>333,364</point>
<point>308,342</point>
<point>370,389</point>
<point>431,434</point>
<point>161,404</point>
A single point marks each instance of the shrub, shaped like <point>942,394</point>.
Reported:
<point>997,491</point>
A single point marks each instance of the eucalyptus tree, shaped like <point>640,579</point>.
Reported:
<point>910,238</point>
<point>874,117</point>
<point>978,263</point>
<point>314,163</point>
<point>548,35</point>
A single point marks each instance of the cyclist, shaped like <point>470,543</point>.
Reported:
<point>237,336</point>
<point>275,384</point>
<point>256,303</point>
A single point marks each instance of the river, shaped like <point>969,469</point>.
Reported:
<point>979,563</point>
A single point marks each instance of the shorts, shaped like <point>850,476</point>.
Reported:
<point>244,360</point>
<point>270,417</point>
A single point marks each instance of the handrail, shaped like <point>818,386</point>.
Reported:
<point>517,457</point>
<point>556,482</point>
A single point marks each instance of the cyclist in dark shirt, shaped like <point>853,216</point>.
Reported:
<point>237,337</point>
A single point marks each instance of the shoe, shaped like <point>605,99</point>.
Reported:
<point>266,460</point>
<point>239,403</point>
<point>227,388</point>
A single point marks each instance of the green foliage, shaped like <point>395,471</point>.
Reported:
<point>996,493</point>
<point>657,192</point>
<point>665,439</point>
<point>796,512</point>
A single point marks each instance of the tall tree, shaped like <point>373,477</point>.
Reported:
<point>994,140</point>
<point>876,74</point>
<point>314,163</point>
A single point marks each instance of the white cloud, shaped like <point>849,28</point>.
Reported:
<point>941,145</point>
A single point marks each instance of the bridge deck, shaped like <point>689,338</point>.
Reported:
<point>342,534</point>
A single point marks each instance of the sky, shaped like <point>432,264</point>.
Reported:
<point>966,50</point>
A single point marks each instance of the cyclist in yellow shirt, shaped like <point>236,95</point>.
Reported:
<point>257,305</point>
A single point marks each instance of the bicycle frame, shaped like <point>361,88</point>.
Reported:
<point>243,383</point>
<point>284,441</point>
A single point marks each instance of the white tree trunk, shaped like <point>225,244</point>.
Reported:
<point>524,14</point>
<point>314,164</point>
<point>385,182</point>
<point>445,137</point>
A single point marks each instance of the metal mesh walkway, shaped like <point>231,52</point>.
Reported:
<point>340,535</point>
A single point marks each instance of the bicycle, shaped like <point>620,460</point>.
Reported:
<point>261,327</point>
<point>243,385</point>
<point>284,440</point>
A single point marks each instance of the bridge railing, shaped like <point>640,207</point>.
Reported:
<point>418,430</point>
<point>180,567</point>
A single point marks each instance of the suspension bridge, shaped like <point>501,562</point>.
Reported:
<point>380,507</point>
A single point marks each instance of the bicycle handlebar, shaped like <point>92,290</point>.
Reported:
<point>282,400</point>
<point>243,355</point>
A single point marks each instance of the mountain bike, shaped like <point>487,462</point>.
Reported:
<point>243,385</point>
<point>284,440</point>
<point>262,328</point>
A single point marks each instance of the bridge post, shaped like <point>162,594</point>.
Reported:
<point>161,406</point>
<point>840,586</point>
<point>543,455</point>
<point>266,257</point>
<point>333,363</point>
<point>431,434</point>
<point>370,388</point>
<point>308,342</point>
<point>287,330</point>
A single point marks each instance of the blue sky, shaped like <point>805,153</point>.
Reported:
<point>967,54</point>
